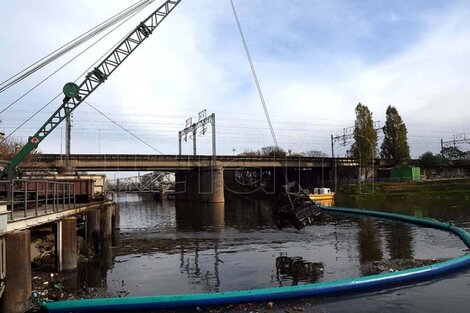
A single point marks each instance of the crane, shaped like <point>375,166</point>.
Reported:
<point>75,94</point>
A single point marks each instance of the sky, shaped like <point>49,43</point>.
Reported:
<point>316,60</point>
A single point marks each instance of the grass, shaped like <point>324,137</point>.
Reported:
<point>455,187</point>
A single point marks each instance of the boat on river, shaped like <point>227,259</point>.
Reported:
<point>324,196</point>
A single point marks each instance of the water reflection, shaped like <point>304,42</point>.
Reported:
<point>92,274</point>
<point>193,216</point>
<point>451,209</point>
<point>190,265</point>
<point>399,241</point>
<point>247,214</point>
<point>172,247</point>
<point>297,270</point>
<point>369,243</point>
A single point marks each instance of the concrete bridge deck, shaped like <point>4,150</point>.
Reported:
<point>21,220</point>
<point>139,162</point>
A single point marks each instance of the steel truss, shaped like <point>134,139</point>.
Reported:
<point>157,182</point>
<point>459,139</point>
<point>348,135</point>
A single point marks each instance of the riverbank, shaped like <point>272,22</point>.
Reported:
<point>441,188</point>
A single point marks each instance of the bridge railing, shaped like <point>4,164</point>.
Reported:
<point>30,198</point>
<point>146,157</point>
<point>135,162</point>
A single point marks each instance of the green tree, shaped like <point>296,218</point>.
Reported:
<point>453,153</point>
<point>395,145</point>
<point>364,147</point>
<point>273,151</point>
<point>430,159</point>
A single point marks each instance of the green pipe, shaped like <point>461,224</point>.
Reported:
<point>280,293</point>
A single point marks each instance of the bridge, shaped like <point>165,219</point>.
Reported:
<point>199,178</point>
<point>141,162</point>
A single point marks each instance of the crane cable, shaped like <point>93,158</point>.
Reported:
<point>69,46</point>
<point>47,104</point>
<point>255,77</point>
<point>16,78</point>
<point>75,57</point>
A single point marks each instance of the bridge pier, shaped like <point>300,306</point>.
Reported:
<point>106,221</point>
<point>18,286</point>
<point>116,224</point>
<point>205,184</point>
<point>93,230</point>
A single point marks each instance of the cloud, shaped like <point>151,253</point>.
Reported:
<point>315,63</point>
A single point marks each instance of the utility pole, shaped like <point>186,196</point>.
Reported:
<point>214,152</point>
<point>332,146</point>
<point>194,141</point>
<point>61,142</point>
<point>68,139</point>
<point>179,143</point>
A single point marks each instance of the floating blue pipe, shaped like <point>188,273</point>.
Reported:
<point>281,293</point>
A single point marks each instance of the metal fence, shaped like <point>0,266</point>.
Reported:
<point>29,198</point>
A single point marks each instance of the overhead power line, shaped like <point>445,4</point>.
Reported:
<point>70,61</point>
<point>47,104</point>
<point>123,128</point>
<point>13,80</point>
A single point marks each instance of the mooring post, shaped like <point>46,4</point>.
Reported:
<point>18,281</point>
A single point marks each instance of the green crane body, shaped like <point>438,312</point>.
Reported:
<point>76,94</point>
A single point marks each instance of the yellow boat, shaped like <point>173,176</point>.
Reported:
<point>324,196</point>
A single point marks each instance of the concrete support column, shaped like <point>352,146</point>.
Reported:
<point>211,185</point>
<point>181,185</point>
<point>93,229</point>
<point>116,225</point>
<point>69,244</point>
<point>106,221</point>
<point>201,185</point>
<point>116,217</point>
<point>17,295</point>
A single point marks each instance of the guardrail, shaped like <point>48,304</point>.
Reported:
<point>30,198</point>
<point>47,158</point>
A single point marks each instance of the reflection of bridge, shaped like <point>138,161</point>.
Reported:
<point>138,162</point>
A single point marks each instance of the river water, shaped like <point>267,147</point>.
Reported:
<point>168,248</point>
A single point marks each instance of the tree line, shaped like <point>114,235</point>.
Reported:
<point>394,148</point>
